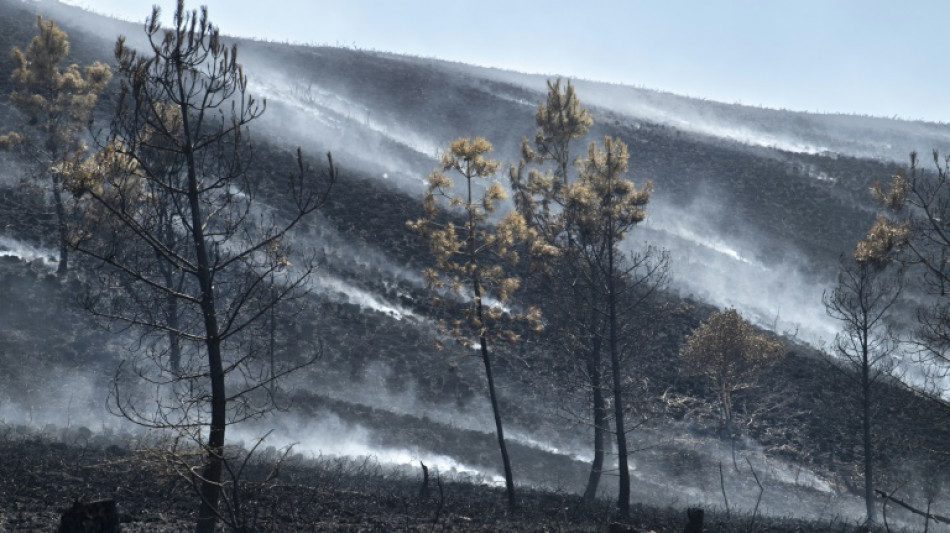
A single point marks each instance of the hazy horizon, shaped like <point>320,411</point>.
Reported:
<point>845,57</point>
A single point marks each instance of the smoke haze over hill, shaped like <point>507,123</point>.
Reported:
<point>754,205</point>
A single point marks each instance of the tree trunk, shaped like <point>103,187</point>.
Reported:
<point>477,291</point>
<point>509,479</point>
<point>866,427</point>
<point>601,419</point>
<point>171,302</point>
<point>725,397</point>
<point>63,230</point>
<point>174,342</point>
<point>211,476</point>
<point>623,498</point>
<point>695,517</point>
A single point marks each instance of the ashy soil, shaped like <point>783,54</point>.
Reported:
<point>42,474</point>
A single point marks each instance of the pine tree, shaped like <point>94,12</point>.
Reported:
<point>605,205</point>
<point>135,184</point>
<point>471,258</point>
<point>558,260</point>
<point>862,300</point>
<point>579,221</point>
<point>57,103</point>
<point>182,250</point>
<point>560,120</point>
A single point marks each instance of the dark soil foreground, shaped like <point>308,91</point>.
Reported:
<point>41,475</point>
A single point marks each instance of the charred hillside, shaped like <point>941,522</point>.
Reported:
<point>815,204</point>
<point>751,225</point>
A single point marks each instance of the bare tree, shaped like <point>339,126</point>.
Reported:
<point>184,252</point>
<point>914,231</point>
<point>862,301</point>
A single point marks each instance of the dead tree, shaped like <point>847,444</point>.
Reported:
<point>866,292</point>
<point>183,251</point>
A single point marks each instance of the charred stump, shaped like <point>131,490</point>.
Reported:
<point>695,524</point>
<point>424,489</point>
<point>93,517</point>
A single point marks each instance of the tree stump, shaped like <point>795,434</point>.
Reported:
<point>93,517</point>
<point>424,489</point>
<point>695,524</point>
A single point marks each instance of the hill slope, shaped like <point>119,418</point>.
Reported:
<point>754,219</point>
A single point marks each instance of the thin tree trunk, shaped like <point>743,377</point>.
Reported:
<point>623,498</point>
<point>601,419</point>
<point>477,290</point>
<point>211,476</point>
<point>171,302</point>
<point>272,347</point>
<point>174,343</point>
<point>63,230</point>
<point>866,426</point>
<point>726,399</point>
<point>509,478</point>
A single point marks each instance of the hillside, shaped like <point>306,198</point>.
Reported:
<point>754,205</point>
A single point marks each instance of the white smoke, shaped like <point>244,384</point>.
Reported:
<point>329,435</point>
<point>10,247</point>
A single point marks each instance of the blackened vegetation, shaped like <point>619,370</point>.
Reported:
<point>40,479</point>
<point>800,411</point>
<point>695,524</point>
<point>816,202</point>
<point>93,517</point>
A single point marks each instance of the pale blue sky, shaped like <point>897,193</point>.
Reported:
<point>885,58</point>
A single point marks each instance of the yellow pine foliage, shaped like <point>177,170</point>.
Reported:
<point>885,238</point>
<point>56,101</point>
<point>730,352</point>
<point>895,195</point>
<point>539,196</point>
<point>471,254</point>
<point>560,119</point>
<point>602,197</point>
